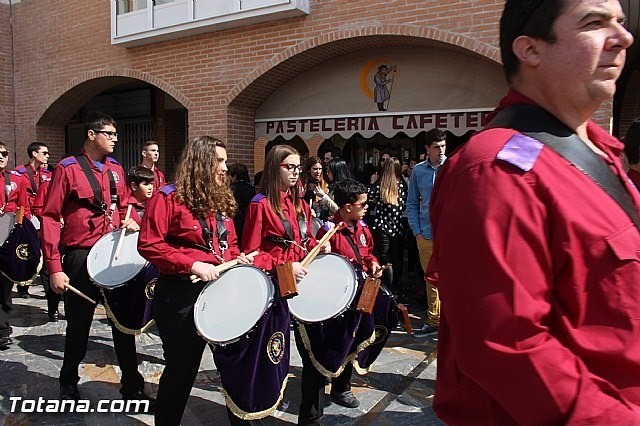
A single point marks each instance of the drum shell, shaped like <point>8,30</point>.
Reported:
<point>130,306</point>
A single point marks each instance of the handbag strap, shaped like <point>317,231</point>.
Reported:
<point>539,124</point>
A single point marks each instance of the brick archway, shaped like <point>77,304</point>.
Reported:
<point>67,99</point>
<point>251,91</point>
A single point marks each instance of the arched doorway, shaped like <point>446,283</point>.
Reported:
<point>143,112</point>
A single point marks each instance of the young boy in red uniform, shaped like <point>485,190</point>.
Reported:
<point>353,241</point>
<point>141,183</point>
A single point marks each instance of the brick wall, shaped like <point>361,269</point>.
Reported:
<point>220,77</point>
<point>6,92</point>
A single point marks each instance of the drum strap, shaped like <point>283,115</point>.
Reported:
<point>302,226</point>
<point>99,203</point>
<point>221,232</point>
<point>347,235</point>
<point>34,185</point>
<point>7,190</point>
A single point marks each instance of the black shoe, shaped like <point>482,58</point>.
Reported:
<point>5,342</point>
<point>425,330</point>
<point>69,392</point>
<point>141,396</point>
<point>54,316</point>
<point>346,399</point>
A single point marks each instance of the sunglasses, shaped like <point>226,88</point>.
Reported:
<point>4,154</point>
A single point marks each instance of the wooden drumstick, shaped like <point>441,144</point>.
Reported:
<point>223,266</point>
<point>79,293</point>
<point>314,251</point>
<point>122,232</point>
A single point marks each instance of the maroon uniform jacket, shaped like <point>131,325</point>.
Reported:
<point>361,237</point>
<point>171,236</point>
<point>70,198</point>
<point>39,177</point>
<point>17,194</point>
<point>262,226</point>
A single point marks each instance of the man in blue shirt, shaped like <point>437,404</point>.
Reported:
<point>420,187</point>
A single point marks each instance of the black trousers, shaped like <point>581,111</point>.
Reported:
<point>389,250</point>
<point>53,298</point>
<point>6,306</point>
<point>173,301</point>
<point>313,383</point>
<point>79,314</point>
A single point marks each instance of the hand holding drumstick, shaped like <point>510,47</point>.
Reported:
<point>207,272</point>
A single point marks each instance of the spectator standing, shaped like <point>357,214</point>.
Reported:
<point>423,177</point>
<point>389,196</point>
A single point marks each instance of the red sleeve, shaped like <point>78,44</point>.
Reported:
<point>496,303</point>
<point>252,236</point>
<point>51,213</point>
<point>152,243</point>
<point>23,198</point>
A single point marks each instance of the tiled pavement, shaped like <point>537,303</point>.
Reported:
<point>398,390</point>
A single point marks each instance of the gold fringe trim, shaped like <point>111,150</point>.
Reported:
<point>350,358</point>
<point>28,282</point>
<point>119,326</point>
<point>243,415</point>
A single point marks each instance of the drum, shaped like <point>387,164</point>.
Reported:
<point>109,273</point>
<point>326,291</point>
<point>130,306</point>
<point>7,221</point>
<point>20,255</point>
<point>229,307</point>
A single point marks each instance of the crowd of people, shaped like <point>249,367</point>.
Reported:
<point>528,237</point>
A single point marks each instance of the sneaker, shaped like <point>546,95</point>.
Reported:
<point>346,399</point>
<point>425,330</point>
<point>141,396</point>
<point>69,392</point>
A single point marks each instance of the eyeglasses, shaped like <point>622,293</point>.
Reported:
<point>4,154</point>
<point>107,133</point>
<point>363,205</point>
<point>291,167</point>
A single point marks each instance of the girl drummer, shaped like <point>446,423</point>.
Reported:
<point>187,230</point>
<point>278,224</point>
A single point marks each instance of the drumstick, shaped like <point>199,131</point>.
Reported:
<point>79,293</point>
<point>122,231</point>
<point>314,251</point>
<point>223,267</point>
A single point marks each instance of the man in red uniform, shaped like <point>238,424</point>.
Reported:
<point>35,172</point>
<point>12,196</point>
<point>538,265</point>
<point>150,156</point>
<point>88,192</point>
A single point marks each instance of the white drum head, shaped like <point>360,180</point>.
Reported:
<point>7,221</point>
<point>326,291</point>
<point>229,307</point>
<point>109,273</point>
